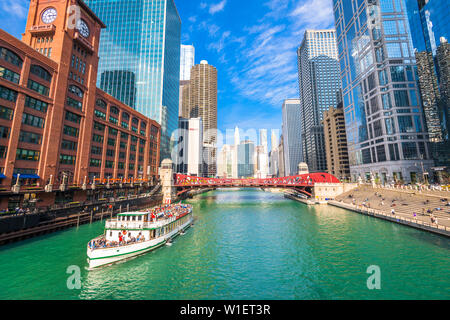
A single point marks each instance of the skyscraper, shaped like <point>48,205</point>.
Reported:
<point>430,31</point>
<point>187,61</point>
<point>336,142</point>
<point>318,76</point>
<point>142,41</point>
<point>203,104</point>
<point>292,149</point>
<point>190,147</point>
<point>246,159</point>
<point>384,118</point>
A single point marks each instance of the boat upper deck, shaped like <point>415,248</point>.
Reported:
<point>149,219</point>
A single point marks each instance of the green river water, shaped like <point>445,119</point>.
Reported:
<point>244,245</point>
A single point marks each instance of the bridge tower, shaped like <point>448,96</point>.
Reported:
<point>167,182</point>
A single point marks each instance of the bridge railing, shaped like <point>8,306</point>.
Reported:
<point>299,180</point>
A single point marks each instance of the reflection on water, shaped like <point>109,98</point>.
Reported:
<point>245,244</point>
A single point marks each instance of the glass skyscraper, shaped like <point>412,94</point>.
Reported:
<point>292,136</point>
<point>187,61</point>
<point>430,31</point>
<point>318,76</point>
<point>386,134</point>
<point>140,59</point>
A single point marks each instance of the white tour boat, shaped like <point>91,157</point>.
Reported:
<point>134,233</point>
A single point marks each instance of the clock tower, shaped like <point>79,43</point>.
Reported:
<point>68,32</point>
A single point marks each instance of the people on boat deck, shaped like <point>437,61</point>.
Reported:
<point>166,211</point>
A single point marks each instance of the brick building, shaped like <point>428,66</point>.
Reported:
<point>56,126</point>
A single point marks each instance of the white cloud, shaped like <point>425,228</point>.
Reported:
<point>314,14</point>
<point>16,8</point>
<point>214,8</point>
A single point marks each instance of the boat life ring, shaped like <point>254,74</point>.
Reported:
<point>124,232</point>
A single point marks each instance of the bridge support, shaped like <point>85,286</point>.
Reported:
<point>166,175</point>
<point>326,191</point>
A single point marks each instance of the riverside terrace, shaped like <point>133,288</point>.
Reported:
<point>420,205</point>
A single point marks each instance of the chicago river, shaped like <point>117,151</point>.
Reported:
<point>244,244</point>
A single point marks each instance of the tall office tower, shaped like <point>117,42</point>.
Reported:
<point>261,162</point>
<point>318,76</point>
<point>263,139</point>
<point>292,136</point>
<point>281,171</point>
<point>143,39</point>
<point>386,133</point>
<point>184,99</point>
<point>237,139</point>
<point>187,61</point>
<point>273,162</point>
<point>226,162</point>
<point>246,159</point>
<point>430,30</point>
<point>274,139</point>
<point>190,147</point>
<point>203,104</point>
<point>262,155</point>
<point>336,142</point>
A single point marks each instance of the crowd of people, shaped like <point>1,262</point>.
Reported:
<point>168,211</point>
<point>125,238</point>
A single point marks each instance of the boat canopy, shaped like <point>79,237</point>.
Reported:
<point>132,214</point>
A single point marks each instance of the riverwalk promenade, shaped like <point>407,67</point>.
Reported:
<point>425,209</point>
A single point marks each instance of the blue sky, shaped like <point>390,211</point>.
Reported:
<point>252,43</point>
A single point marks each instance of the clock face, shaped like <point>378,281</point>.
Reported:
<point>83,28</point>
<point>49,15</point>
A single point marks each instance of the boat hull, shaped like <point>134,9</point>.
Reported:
<point>106,256</point>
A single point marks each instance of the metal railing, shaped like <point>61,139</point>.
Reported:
<point>375,212</point>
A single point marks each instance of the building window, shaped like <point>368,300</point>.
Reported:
<point>110,153</point>
<point>9,75</point>
<point>109,164</point>
<point>10,57</point>
<point>97,138</point>
<point>4,132</point>
<point>99,126</point>
<point>29,155</point>
<point>113,120</point>
<point>100,114</point>
<point>3,151</point>
<point>74,103</point>
<point>8,94</point>
<point>409,150</point>
<point>39,88</point>
<point>41,72</point>
<point>30,137</point>
<point>111,142</point>
<point>68,145</point>
<point>36,104</point>
<point>96,150</point>
<point>73,117</point>
<point>76,91</point>
<point>100,103</point>
<point>95,163</point>
<point>31,120</point>
<point>6,113</point>
<point>66,159</point>
<point>70,131</point>
<point>401,98</point>
<point>113,131</point>
<point>114,110</point>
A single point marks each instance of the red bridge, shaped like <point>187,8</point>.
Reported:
<point>300,183</point>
